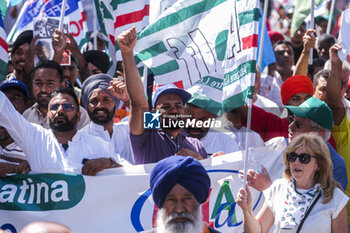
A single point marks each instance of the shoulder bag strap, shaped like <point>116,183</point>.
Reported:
<point>308,211</point>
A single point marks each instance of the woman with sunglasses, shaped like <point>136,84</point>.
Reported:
<point>307,198</point>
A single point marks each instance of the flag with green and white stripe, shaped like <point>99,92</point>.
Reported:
<point>207,47</point>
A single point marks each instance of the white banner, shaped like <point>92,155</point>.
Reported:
<point>119,200</point>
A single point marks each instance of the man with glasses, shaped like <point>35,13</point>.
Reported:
<point>60,149</point>
<point>313,116</point>
<point>47,77</point>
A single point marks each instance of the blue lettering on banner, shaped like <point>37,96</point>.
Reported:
<point>53,7</point>
<point>8,228</point>
<point>30,12</point>
<point>138,205</point>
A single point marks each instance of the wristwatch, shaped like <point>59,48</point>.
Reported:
<point>113,162</point>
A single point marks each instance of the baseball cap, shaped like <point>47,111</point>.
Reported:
<point>316,110</point>
<point>14,83</point>
<point>171,89</point>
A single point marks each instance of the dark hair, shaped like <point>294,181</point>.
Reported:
<point>282,42</point>
<point>321,74</point>
<point>49,64</point>
<point>66,91</point>
<point>330,39</point>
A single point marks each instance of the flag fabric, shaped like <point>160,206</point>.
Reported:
<point>344,35</point>
<point>206,47</point>
<point>52,8</point>
<point>15,2</point>
<point>3,51</point>
<point>3,7</point>
<point>268,56</point>
<point>301,11</point>
<point>117,16</point>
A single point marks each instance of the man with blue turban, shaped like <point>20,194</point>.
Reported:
<point>179,186</point>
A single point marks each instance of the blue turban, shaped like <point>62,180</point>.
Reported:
<point>94,82</point>
<point>186,171</point>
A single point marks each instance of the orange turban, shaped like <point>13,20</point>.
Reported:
<point>296,84</point>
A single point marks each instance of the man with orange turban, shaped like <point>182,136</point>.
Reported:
<point>294,91</point>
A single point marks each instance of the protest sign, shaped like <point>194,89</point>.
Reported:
<point>120,199</point>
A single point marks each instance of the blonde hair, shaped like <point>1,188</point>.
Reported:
<point>320,150</point>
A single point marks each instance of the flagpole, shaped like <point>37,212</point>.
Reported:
<point>246,150</point>
<point>262,33</point>
<point>329,25</point>
<point>63,12</point>
<point>95,30</point>
<point>312,26</point>
<point>250,98</point>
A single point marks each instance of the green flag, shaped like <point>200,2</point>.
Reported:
<point>301,11</point>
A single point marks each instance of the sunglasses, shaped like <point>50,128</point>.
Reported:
<point>303,157</point>
<point>66,107</point>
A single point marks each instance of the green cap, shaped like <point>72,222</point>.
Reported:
<point>316,110</point>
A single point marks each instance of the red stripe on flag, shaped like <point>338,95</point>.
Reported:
<point>3,44</point>
<point>178,84</point>
<point>250,41</point>
<point>348,57</point>
<point>112,39</point>
<point>132,17</point>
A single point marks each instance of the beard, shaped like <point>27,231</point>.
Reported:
<point>168,224</point>
<point>102,120</point>
<point>58,125</point>
<point>43,102</point>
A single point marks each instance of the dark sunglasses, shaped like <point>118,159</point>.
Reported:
<point>66,107</point>
<point>303,157</point>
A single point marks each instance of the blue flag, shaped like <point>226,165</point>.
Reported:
<point>268,56</point>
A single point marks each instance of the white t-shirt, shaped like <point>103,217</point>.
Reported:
<point>44,153</point>
<point>120,138</point>
<point>215,141</point>
<point>319,219</point>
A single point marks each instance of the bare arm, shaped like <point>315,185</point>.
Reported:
<point>309,42</point>
<point>340,223</point>
<point>127,41</point>
<point>334,98</point>
<point>264,220</point>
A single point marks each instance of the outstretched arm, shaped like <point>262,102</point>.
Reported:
<point>334,98</point>
<point>127,41</point>
<point>309,42</point>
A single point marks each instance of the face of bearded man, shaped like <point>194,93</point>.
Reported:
<point>189,223</point>
<point>101,107</point>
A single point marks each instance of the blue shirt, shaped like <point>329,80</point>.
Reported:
<point>339,169</point>
<point>155,144</point>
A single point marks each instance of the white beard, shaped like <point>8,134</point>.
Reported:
<point>166,225</point>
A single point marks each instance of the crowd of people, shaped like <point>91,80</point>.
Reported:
<point>75,118</point>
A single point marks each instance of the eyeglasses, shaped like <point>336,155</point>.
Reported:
<point>303,157</point>
<point>66,107</point>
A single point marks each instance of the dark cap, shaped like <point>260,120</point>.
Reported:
<point>24,37</point>
<point>14,83</point>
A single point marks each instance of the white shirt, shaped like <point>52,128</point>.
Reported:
<point>12,150</point>
<point>319,219</point>
<point>120,138</point>
<point>215,141</point>
<point>254,139</point>
<point>271,88</point>
<point>44,153</point>
<point>268,105</point>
